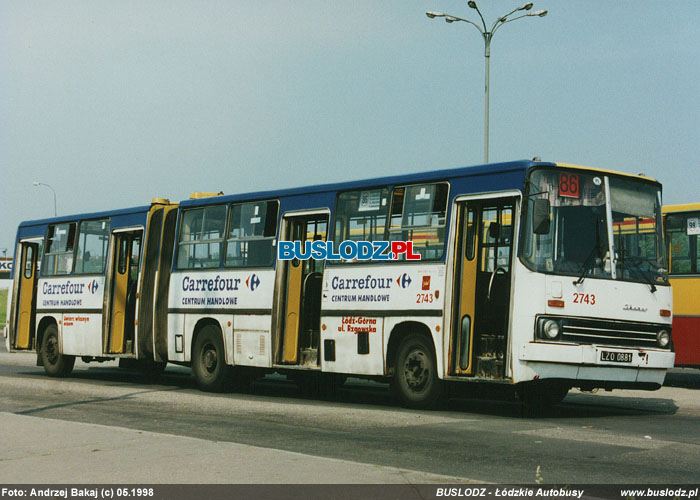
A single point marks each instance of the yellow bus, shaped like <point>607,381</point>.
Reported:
<point>682,224</point>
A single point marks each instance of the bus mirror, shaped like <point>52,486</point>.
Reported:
<point>540,216</point>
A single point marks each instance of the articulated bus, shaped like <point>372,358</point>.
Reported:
<point>541,275</point>
<point>682,224</point>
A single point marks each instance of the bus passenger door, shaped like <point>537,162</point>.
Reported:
<point>483,258</point>
<point>26,302</point>
<point>126,248</point>
<point>301,293</point>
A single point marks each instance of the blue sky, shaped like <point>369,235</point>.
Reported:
<point>114,103</point>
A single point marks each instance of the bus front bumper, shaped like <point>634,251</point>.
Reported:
<point>618,366</point>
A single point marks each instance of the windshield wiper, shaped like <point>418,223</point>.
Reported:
<point>638,270</point>
<point>587,265</point>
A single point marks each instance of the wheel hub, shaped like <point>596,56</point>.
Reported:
<point>209,359</point>
<point>51,349</point>
<point>416,369</point>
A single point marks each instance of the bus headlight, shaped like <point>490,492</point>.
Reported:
<point>663,338</point>
<point>551,329</point>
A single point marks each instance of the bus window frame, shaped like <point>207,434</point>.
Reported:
<point>336,220</point>
<point>445,225</point>
<point>72,252</point>
<point>525,213</point>
<point>106,256</point>
<point>669,257</point>
<point>180,245</point>
<point>391,189</point>
<point>228,239</point>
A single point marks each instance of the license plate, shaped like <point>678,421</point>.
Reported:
<point>616,357</point>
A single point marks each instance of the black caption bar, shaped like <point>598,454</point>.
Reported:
<point>350,492</point>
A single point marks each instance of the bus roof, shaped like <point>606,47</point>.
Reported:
<point>683,207</point>
<point>605,171</point>
<point>85,216</point>
<point>434,175</point>
<point>522,165</point>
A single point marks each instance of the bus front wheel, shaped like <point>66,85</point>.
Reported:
<point>55,363</point>
<point>209,362</point>
<point>415,382</point>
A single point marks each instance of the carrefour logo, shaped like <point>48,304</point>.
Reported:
<point>92,287</point>
<point>252,282</point>
<point>404,280</point>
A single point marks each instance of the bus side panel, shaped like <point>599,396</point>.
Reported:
<point>352,354</point>
<point>686,340</point>
<point>81,333</point>
<point>686,320</point>
<point>76,303</point>
<point>176,337</point>
<point>396,293</point>
<point>219,294</point>
<point>252,340</point>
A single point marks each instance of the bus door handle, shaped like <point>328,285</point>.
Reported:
<point>498,270</point>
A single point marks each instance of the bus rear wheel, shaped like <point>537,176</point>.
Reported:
<point>55,363</point>
<point>415,383</point>
<point>209,361</point>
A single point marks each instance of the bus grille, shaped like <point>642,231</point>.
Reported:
<point>608,332</point>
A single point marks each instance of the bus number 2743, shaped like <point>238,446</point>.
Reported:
<point>424,298</point>
<point>584,298</point>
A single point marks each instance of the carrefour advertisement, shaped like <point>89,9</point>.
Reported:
<point>216,289</point>
<point>70,293</point>
<point>410,287</point>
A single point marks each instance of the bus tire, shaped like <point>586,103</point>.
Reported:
<point>415,383</point>
<point>55,363</point>
<point>209,361</point>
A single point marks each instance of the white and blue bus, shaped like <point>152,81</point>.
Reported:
<point>525,277</point>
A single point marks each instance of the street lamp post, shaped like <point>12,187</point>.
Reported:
<point>37,183</point>
<point>487,35</point>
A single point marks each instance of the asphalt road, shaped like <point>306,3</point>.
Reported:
<point>618,437</point>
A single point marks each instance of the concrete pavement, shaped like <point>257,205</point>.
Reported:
<point>46,451</point>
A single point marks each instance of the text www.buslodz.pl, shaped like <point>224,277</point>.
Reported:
<point>347,250</point>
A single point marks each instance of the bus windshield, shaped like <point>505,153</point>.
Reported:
<point>585,211</point>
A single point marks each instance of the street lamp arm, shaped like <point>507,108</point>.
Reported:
<point>450,19</point>
<point>503,19</point>
<point>483,21</point>
<point>37,183</point>
<point>509,20</point>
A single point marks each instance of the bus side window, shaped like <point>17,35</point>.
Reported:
<point>58,258</point>
<point>496,233</point>
<point>684,251</point>
<point>201,237</point>
<point>361,215</point>
<point>93,240</point>
<point>419,214</point>
<point>29,257</point>
<point>470,250</point>
<point>252,231</point>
